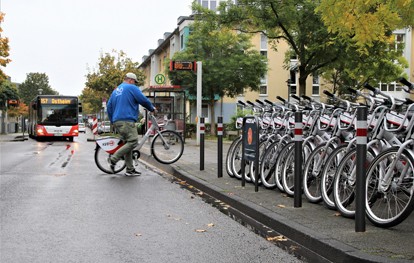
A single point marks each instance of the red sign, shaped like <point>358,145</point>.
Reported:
<point>183,65</point>
<point>166,87</point>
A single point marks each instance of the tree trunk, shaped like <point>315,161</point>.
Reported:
<point>302,81</point>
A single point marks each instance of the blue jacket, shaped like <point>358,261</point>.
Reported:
<point>123,105</point>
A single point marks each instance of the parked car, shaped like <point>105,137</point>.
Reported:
<point>81,127</point>
<point>104,127</point>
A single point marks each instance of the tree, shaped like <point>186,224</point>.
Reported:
<point>91,100</point>
<point>4,51</point>
<point>230,64</point>
<point>33,85</point>
<point>110,72</point>
<point>296,22</point>
<point>382,63</point>
<point>7,92</point>
<point>366,21</point>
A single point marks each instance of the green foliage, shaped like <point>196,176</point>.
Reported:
<point>365,22</point>
<point>327,36</point>
<point>110,72</point>
<point>295,22</point>
<point>229,62</point>
<point>4,51</point>
<point>29,89</point>
<point>8,91</point>
<point>91,100</point>
<point>352,69</point>
<point>240,113</point>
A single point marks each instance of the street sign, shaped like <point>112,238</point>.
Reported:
<point>159,79</point>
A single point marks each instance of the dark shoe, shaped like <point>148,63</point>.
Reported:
<point>132,173</point>
<point>111,165</point>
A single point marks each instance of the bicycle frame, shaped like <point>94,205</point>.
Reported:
<point>111,144</point>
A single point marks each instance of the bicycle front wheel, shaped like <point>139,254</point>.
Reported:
<point>101,160</point>
<point>167,147</point>
<point>390,201</point>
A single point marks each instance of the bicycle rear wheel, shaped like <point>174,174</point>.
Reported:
<point>167,147</point>
<point>101,160</point>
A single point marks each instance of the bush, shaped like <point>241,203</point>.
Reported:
<point>239,114</point>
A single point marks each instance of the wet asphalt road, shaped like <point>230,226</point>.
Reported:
<point>56,206</point>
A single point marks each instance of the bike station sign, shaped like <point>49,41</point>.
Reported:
<point>250,146</point>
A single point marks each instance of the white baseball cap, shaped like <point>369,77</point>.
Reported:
<point>131,75</point>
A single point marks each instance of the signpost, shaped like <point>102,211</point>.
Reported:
<point>195,66</point>
<point>250,148</point>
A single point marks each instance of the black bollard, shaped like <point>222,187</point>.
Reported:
<point>202,129</point>
<point>361,158</point>
<point>298,160</point>
<point>220,146</point>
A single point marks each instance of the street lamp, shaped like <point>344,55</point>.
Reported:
<point>40,91</point>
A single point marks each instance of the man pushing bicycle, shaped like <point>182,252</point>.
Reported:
<point>123,110</point>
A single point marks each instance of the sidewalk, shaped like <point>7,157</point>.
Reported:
<point>312,231</point>
<point>9,137</point>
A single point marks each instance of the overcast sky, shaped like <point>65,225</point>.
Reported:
<point>62,38</point>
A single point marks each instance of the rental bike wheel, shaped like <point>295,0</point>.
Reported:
<point>167,147</point>
<point>390,201</point>
<point>101,160</point>
<point>345,181</point>
<point>229,170</point>
<point>288,168</point>
<point>262,148</point>
<point>312,172</point>
<point>236,162</point>
<point>328,175</point>
<point>280,163</point>
<point>268,164</point>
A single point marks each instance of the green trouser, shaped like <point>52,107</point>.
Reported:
<point>128,132</point>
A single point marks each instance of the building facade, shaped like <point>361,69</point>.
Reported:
<point>274,84</point>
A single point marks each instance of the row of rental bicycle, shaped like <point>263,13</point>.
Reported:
<point>329,151</point>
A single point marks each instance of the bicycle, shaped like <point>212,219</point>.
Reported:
<point>167,147</point>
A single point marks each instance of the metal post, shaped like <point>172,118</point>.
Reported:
<point>202,128</point>
<point>220,146</point>
<point>298,159</point>
<point>361,158</point>
<point>256,159</point>
<point>199,96</point>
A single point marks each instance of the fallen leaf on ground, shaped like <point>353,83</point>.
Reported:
<point>277,238</point>
<point>210,225</point>
<point>200,230</point>
<point>281,206</point>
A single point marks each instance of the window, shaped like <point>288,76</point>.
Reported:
<point>263,90</point>
<point>213,5</point>
<point>204,112</point>
<point>315,85</point>
<point>181,41</point>
<point>292,82</point>
<point>205,3</point>
<point>390,87</point>
<point>263,42</point>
